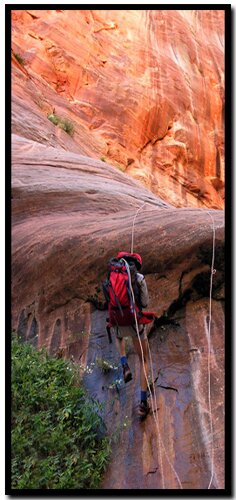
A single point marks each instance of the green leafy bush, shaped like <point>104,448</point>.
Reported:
<point>58,435</point>
<point>63,123</point>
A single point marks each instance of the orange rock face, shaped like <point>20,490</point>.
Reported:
<point>148,86</point>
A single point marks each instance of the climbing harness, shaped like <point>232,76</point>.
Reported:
<point>154,403</point>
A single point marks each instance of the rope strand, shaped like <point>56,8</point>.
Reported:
<point>151,365</point>
<point>132,239</point>
<point>209,351</point>
<point>145,374</point>
<point>155,400</point>
<point>152,402</point>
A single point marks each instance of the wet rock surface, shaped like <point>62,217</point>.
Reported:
<point>177,449</point>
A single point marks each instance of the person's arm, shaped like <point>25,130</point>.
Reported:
<point>144,297</point>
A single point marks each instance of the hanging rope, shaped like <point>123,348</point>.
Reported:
<point>209,350</point>
<point>155,400</point>
<point>132,239</point>
<point>150,358</point>
<point>154,408</point>
<point>145,374</point>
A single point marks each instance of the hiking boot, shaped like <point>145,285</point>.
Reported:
<point>144,409</point>
<point>127,373</point>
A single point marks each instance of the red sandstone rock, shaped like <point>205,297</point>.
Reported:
<point>153,105</point>
<point>148,85</point>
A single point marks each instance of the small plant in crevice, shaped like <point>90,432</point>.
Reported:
<point>102,158</point>
<point>19,58</point>
<point>105,366</point>
<point>87,370</point>
<point>68,126</point>
<point>116,384</point>
<point>64,123</point>
<point>123,426</point>
<point>53,118</point>
<point>121,167</point>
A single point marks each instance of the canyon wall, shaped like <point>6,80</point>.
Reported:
<point>71,214</point>
<point>145,92</point>
<point>148,87</point>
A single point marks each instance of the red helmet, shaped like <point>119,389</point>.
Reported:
<point>131,256</point>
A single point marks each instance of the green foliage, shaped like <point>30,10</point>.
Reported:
<point>124,425</point>
<point>58,435</point>
<point>19,59</point>
<point>63,123</point>
<point>105,366</point>
<point>116,384</point>
<point>67,125</point>
<point>102,158</point>
<point>121,167</point>
<point>54,118</point>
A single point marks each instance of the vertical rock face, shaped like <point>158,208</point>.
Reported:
<point>70,215</point>
<point>145,91</point>
<point>147,84</point>
<point>174,448</point>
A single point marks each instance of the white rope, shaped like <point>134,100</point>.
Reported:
<point>209,351</point>
<point>155,399</point>
<point>208,361</point>
<point>132,239</point>
<point>154,408</point>
<point>145,374</point>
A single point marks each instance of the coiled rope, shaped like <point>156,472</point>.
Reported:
<point>151,365</point>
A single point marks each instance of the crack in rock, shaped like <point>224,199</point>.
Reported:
<point>152,471</point>
<point>168,387</point>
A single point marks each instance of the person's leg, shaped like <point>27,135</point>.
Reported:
<point>143,360</point>
<point>120,344</point>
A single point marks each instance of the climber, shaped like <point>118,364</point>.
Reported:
<point>123,279</point>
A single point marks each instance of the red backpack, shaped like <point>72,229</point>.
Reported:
<point>117,291</point>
